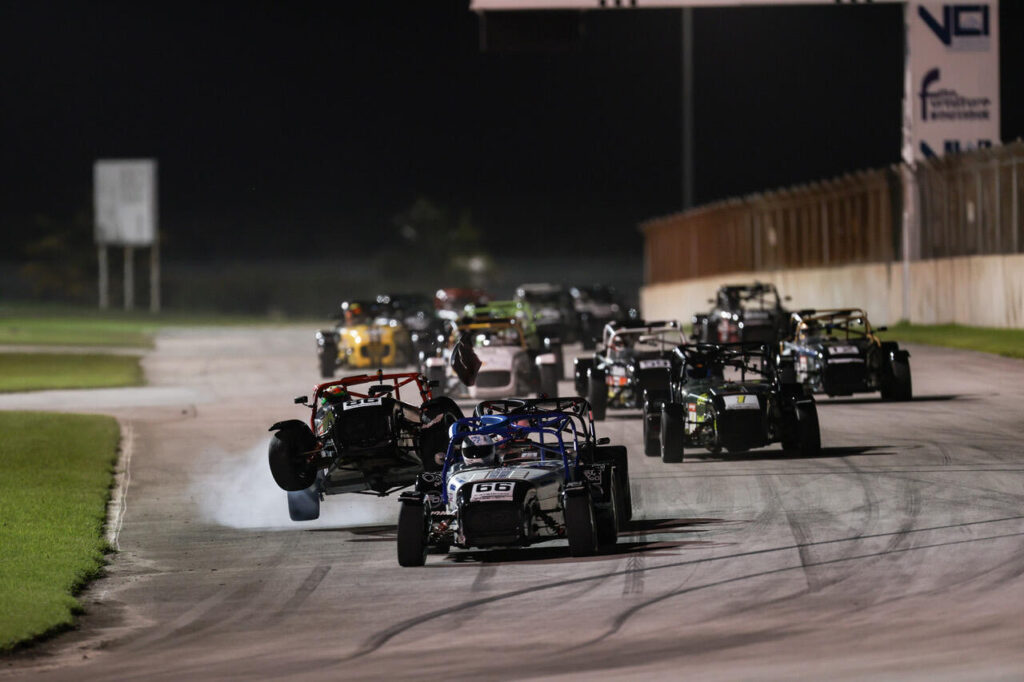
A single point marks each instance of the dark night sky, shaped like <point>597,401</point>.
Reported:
<point>303,128</point>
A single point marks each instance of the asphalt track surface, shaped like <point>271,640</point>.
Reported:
<point>896,554</point>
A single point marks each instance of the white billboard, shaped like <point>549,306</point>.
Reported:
<point>951,88</point>
<point>125,201</point>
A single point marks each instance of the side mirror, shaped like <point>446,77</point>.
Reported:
<point>604,440</point>
<point>302,400</point>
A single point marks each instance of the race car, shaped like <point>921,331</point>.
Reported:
<point>361,438</point>
<point>837,352</point>
<point>743,313</point>
<point>552,310</point>
<point>536,340</point>
<point>366,337</point>
<point>595,306</point>
<point>515,474</point>
<point>508,366</point>
<point>418,315</point>
<point>729,396</point>
<point>635,356</point>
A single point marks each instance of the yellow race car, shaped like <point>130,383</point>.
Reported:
<point>365,338</point>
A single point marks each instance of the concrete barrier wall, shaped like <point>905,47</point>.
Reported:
<point>984,291</point>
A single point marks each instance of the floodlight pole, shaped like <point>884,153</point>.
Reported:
<point>687,108</point>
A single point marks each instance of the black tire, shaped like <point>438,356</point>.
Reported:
<point>899,386</point>
<point>559,361</point>
<point>581,368</point>
<point>328,360</point>
<point>673,435</point>
<point>412,535</point>
<point>807,430</point>
<point>580,526</point>
<point>435,438</point>
<point>597,393</point>
<point>618,456</point>
<point>548,380</point>
<point>652,434</point>
<point>288,458</point>
<point>304,505</point>
<point>606,517</point>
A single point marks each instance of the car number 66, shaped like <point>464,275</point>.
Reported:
<point>499,487</point>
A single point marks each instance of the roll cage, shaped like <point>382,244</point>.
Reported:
<point>397,381</point>
<point>518,427</point>
<point>734,296</point>
<point>645,333</point>
<point>496,325</point>
<point>848,321</point>
<point>735,355</point>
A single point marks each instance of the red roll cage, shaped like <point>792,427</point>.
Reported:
<point>397,380</point>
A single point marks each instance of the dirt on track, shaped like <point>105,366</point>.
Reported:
<point>898,553</point>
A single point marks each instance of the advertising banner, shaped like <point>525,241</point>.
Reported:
<point>951,88</point>
<point>125,201</point>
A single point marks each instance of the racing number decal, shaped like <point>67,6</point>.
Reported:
<point>362,402</point>
<point>498,491</point>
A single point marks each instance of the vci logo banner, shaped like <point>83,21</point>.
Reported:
<point>951,100</point>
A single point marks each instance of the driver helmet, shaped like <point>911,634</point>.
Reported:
<point>479,451</point>
<point>697,367</point>
<point>332,395</point>
<point>353,311</point>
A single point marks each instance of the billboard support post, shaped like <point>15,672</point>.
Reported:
<point>154,277</point>
<point>129,278</point>
<point>104,277</point>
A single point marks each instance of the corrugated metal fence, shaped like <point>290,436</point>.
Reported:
<point>968,204</point>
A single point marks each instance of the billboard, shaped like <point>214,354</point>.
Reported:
<point>125,202</point>
<point>951,87</point>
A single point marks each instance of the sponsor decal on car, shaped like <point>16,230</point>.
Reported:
<point>843,350</point>
<point>652,364</point>
<point>743,401</point>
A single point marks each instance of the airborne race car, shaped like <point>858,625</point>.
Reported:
<point>636,356</point>
<point>836,352</point>
<point>729,396</point>
<point>517,473</point>
<point>743,313</point>
<point>360,439</point>
<point>508,366</point>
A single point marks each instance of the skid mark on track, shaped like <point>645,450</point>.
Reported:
<point>634,583</point>
<point>308,586</point>
<point>382,637</point>
<point>483,576</point>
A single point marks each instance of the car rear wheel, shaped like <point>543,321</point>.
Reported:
<point>580,528</point>
<point>652,434</point>
<point>597,393</point>
<point>673,436</point>
<point>899,386</point>
<point>808,431</point>
<point>412,535</point>
<point>549,380</point>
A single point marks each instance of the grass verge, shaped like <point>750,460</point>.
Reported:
<point>1006,342</point>
<point>38,371</point>
<point>57,471</point>
<point>39,324</point>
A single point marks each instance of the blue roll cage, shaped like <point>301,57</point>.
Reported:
<point>507,429</point>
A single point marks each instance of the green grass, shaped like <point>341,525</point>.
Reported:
<point>38,324</point>
<point>55,477</point>
<point>38,371</point>
<point>1007,342</point>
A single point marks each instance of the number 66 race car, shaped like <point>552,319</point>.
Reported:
<point>518,473</point>
<point>359,439</point>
